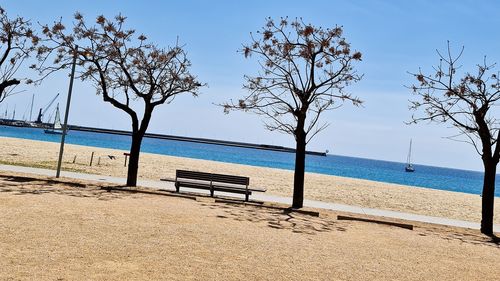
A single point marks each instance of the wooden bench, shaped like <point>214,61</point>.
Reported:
<point>214,182</point>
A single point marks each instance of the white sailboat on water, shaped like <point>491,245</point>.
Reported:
<point>409,167</point>
<point>57,127</point>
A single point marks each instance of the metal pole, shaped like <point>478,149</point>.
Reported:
<point>65,125</point>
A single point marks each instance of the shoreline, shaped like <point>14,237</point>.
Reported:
<point>468,181</point>
<point>245,165</point>
<point>276,148</point>
<point>228,163</point>
<point>320,187</point>
<point>440,187</point>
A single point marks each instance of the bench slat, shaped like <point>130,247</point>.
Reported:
<point>232,189</point>
<point>193,175</point>
<point>230,179</point>
<point>194,185</point>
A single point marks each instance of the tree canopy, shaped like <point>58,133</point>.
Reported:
<point>17,41</point>
<point>466,101</point>
<point>120,63</point>
<point>304,71</point>
<point>122,66</point>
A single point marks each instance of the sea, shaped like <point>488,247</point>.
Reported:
<point>377,170</point>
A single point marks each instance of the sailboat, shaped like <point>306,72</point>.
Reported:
<point>409,166</point>
<point>57,127</point>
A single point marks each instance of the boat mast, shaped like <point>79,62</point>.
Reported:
<point>31,110</point>
<point>408,160</point>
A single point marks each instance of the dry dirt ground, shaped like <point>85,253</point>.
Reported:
<point>73,230</point>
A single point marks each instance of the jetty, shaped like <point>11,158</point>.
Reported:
<point>196,140</point>
<point>20,123</point>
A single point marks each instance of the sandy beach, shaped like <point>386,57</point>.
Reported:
<point>74,230</point>
<point>326,188</point>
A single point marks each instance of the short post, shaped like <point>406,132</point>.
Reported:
<point>91,158</point>
<point>74,160</point>
<point>99,161</point>
<point>126,156</point>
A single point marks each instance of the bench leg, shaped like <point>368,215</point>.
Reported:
<point>211,192</point>
<point>247,196</point>
<point>177,187</point>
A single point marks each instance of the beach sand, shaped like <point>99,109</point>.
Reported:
<point>325,188</point>
<point>73,230</point>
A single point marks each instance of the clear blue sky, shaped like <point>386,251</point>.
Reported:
<point>394,37</point>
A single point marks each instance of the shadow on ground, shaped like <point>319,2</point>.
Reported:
<point>274,217</point>
<point>23,185</point>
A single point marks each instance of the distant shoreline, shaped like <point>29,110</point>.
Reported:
<point>344,166</point>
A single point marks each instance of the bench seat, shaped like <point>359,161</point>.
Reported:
<point>216,187</point>
<point>212,182</point>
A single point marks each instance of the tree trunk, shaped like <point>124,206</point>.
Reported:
<point>300,160</point>
<point>133,164</point>
<point>488,197</point>
<point>135,148</point>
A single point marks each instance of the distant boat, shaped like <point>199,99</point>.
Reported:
<point>57,127</point>
<point>409,166</point>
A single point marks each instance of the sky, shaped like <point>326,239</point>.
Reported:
<point>395,37</point>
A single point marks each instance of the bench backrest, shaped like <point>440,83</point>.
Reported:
<point>192,175</point>
<point>212,177</point>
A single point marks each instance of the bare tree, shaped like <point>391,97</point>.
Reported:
<point>467,102</point>
<point>304,72</point>
<point>17,42</point>
<point>123,68</point>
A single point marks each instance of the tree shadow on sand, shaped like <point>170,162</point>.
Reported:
<point>495,239</point>
<point>25,185</point>
<point>282,219</point>
<point>276,218</point>
<point>468,236</point>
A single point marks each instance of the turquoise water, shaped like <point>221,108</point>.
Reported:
<point>384,171</point>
